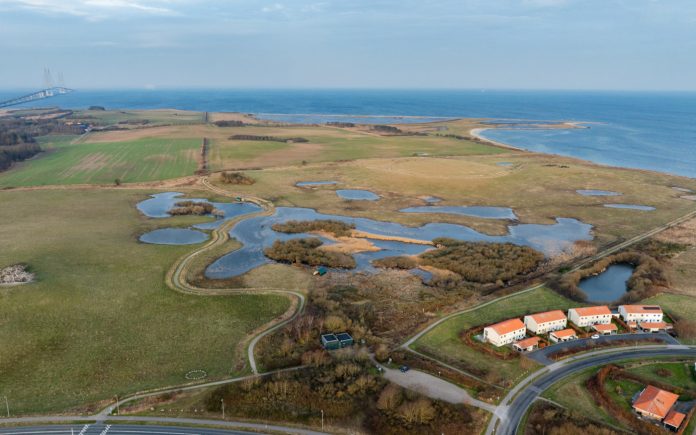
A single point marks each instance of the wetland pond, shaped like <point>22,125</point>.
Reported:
<point>357,195</point>
<point>609,285</point>
<point>475,211</point>
<point>256,234</point>
<point>594,192</point>
<point>174,236</point>
<point>631,207</point>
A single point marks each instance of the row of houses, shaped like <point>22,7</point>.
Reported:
<point>555,323</point>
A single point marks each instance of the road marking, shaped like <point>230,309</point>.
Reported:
<point>37,431</point>
<point>84,429</point>
<point>106,429</point>
<point>115,431</point>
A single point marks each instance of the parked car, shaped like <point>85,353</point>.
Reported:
<point>594,337</point>
<point>404,369</point>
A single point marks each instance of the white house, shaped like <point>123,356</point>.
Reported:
<point>652,326</point>
<point>640,313</point>
<point>504,332</point>
<point>605,329</point>
<point>527,345</point>
<point>588,316</point>
<point>541,323</point>
<point>563,335</point>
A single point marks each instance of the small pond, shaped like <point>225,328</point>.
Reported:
<point>357,195</point>
<point>594,192</point>
<point>315,183</point>
<point>431,199</point>
<point>256,233</point>
<point>475,211</point>
<point>631,207</point>
<point>504,163</point>
<point>174,236</point>
<point>609,285</point>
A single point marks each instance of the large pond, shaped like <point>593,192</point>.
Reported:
<point>475,211</point>
<point>174,236</point>
<point>631,207</point>
<point>357,195</point>
<point>256,234</point>
<point>609,285</point>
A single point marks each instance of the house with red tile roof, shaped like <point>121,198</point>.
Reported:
<point>674,420</point>
<point>652,326</point>
<point>654,403</point>
<point>541,323</point>
<point>607,329</point>
<point>587,316</point>
<point>640,313</point>
<point>505,332</point>
<point>563,335</point>
<point>527,345</point>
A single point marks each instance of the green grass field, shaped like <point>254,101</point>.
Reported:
<point>97,163</point>
<point>443,342</point>
<point>681,374</point>
<point>100,320</point>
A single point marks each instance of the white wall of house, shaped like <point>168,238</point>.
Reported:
<point>639,317</point>
<point>492,337</point>
<point>545,327</point>
<point>582,321</point>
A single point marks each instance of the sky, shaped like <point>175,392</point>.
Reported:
<point>468,44</point>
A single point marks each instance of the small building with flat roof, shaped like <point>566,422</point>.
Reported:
<point>344,339</point>
<point>563,335</point>
<point>606,329</point>
<point>330,341</point>
<point>674,420</point>
<point>652,326</point>
<point>527,345</point>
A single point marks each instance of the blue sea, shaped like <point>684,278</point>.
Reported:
<point>646,130</point>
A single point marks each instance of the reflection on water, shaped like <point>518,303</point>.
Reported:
<point>609,285</point>
<point>475,211</point>
<point>174,236</point>
<point>355,194</point>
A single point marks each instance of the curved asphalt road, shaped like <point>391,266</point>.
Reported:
<point>511,416</point>
<point>116,429</point>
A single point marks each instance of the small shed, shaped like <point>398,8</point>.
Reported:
<point>344,339</point>
<point>330,341</point>
<point>321,271</point>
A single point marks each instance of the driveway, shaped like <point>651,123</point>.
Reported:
<point>434,387</point>
<point>542,355</point>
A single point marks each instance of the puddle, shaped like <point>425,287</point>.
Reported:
<point>630,207</point>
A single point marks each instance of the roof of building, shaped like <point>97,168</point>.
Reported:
<point>642,309</point>
<point>527,342</point>
<point>653,325</point>
<point>507,326</point>
<point>593,311</point>
<point>329,337</point>
<point>675,418</point>
<point>655,401</point>
<point>548,316</point>
<point>563,333</point>
<point>344,336</point>
<point>601,327</point>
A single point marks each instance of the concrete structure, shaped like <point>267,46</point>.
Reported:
<point>344,339</point>
<point>330,341</point>
<point>654,403</point>
<point>640,313</point>
<point>541,323</point>
<point>505,332</point>
<point>588,316</point>
<point>603,329</point>
<point>563,335</point>
<point>527,345</point>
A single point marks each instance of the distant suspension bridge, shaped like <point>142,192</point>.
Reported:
<point>49,91</point>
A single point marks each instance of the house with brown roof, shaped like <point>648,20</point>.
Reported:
<point>504,332</point>
<point>563,335</point>
<point>674,420</point>
<point>541,323</point>
<point>527,345</point>
<point>640,313</point>
<point>587,316</point>
<point>654,403</point>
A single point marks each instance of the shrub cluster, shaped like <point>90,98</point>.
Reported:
<point>396,262</point>
<point>483,262</point>
<point>236,178</point>
<point>546,419</point>
<point>229,123</point>
<point>193,208</point>
<point>337,228</point>
<point>269,138</point>
<point>386,129</point>
<point>340,124</point>
<point>305,251</point>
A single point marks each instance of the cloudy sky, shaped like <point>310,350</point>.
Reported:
<point>557,44</point>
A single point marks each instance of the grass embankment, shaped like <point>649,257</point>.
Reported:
<point>99,321</point>
<point>679,374</point>
<point>147,159</point>
<point>444,343</point>
<point>682,306</point>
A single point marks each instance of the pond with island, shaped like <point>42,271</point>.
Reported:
<point>608,286</point>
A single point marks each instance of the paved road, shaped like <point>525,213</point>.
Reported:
<point>125,426</point>
<point>508,417</point>
<point>542,355</point>
<point>434,387</point>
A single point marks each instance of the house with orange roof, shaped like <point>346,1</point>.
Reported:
<point>527,345</point>
<point>588,316</point>
<point>654,403</point>
<point>563,335</point>
<point>505,332</point>
<point>541,323</point>
<point>674,420</point>
<point>640,313</point>
<point>606,329</point>
<point>652,326</point>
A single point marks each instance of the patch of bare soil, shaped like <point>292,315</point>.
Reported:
<point>16,274</point>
